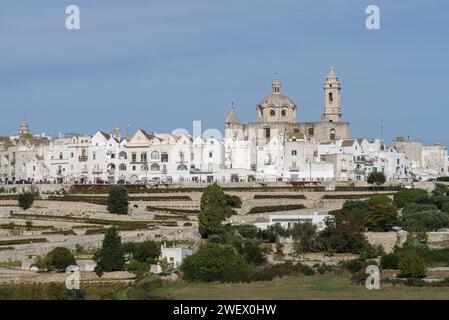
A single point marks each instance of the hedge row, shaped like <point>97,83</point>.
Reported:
<point>171,217</point>
<point>172,210</point>
<point>9,196</point>
<point>132,225</point>
<point>21,241</point>
<point>371,189</point>
<point>93,200</point>
<point>351,196</point>
<point>286,207</point>
<point>279,196</point>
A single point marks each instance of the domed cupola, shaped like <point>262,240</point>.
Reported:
<point>276,107</point>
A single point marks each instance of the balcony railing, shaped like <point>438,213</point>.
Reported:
<point>82,158</point>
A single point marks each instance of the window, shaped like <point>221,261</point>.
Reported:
<point>331,97</point>
<point>60,156</point>
<point>71,155</point>
<point>272,113</point>
<point>294,152</point>
<point>283,113</point>
<point>112,155</point>
<point>122,155</point>
<point>133,157</point>
<point>94,155</point>
<point>134,168</point>
<point>154,155</point>
<point>144,167</point>
<point>164,157</point>
<point>267,133</point>
<point>155,167</point>
<point>310,131</point>
<point>211,154</point>
<point>143,157</point>
<point>192,156</point>
<point>332,134</point>
<point>182,167</point>
<point>122,167</point>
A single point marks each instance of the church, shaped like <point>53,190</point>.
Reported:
<point>276,115</point>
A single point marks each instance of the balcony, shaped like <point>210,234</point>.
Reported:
<point>293,168</point>
<point>84,171</point>
<point>82,158</point>
<point>97,171</point>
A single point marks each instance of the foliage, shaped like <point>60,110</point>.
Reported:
<point>214,262</point>
<point>118,200</point>
<point>214,210</point>
<point>405,196</point>
<point>26,200</point>
<point>305,238</point>
<point>276,208</point>
<point>110,257</point>
<point>56,260</point>
<point>146,251</point>
<point>432,219</point>
<point>389,261</point>
<point>376,178</point>
<point>411,265</point>
<point>381,217</point>
<point>344,231</point>
<point>379,199</point>
<point>233,201</point>
<point>252,253</point>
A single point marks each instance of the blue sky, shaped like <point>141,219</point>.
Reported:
<point>159,65</point>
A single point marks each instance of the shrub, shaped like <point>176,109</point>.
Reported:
<point>26,200</point>
<point>143,251</point>
<point>405,196</point>
<point>432,220</point>
<point>214,262</point>
<point>118,200</point>
<point>252,253</point>
<point>233,201</point>
<point>389,261</point>
<point>411,265</point>
<point>305,238</point>
<point>59,259</point>
<point>381,217</point>
<point>379,199</point>
<point>277,208</point>
<point>354,265</point>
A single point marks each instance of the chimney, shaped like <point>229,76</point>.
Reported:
<point>117,133</point>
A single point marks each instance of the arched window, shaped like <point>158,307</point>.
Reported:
<point>122,155</point>
<point>122,167</point>
<point>284,113</point>
<point>154,167</point>
<point>272,112</point>
<point>182,167</point>
<point>310,131</point>
<point>332,134</point>
<point>331,97</point>
<point>154,155</point>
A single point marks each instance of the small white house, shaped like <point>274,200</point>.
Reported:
<point>288,221</point>
<point>174,256</point>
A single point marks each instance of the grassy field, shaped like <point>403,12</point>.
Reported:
<point>314,287</point>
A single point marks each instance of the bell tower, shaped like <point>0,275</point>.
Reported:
<point>332,106</point>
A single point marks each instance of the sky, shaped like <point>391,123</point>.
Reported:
<point>161,64</point>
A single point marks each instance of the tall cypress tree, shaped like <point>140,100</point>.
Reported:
<point>110,257</point>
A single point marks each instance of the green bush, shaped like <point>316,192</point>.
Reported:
<point>233,201</point>
<point>389,261</point>
<point>406,196</point>
<point>276,208</point>
<point>214,262</point>
<point>26,200</point>
<point>379,199</point>
<point>381,217</point>
<point>143,251</point>
<point>118,200</point>
<point>58,260</point>
<point>432,220</point>
<point>411,265</point>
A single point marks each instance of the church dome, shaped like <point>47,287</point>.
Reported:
<point>276,107</point>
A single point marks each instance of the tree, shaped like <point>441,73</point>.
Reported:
<point>381,218</point>
<point>214,262</point>
<point>377,179</point>
<point>26,200</point>
<point>56,260</point>
<point>411,265</point>
<point>305,238</point>
<point>406,196</point>
<point>252,252</point>
<point>118,200</point>
<point>344,231</point>
<point>214,210</point>
<point>147,250</point>
<point>110,257</point>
